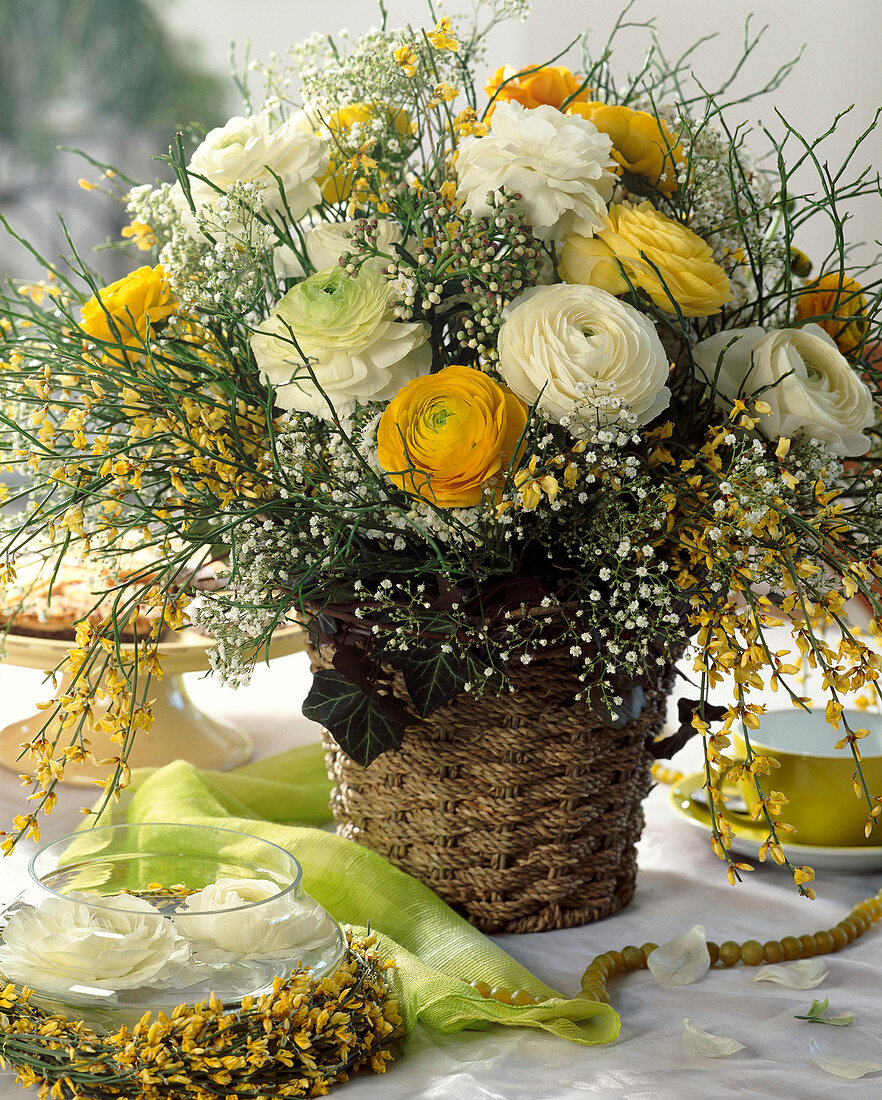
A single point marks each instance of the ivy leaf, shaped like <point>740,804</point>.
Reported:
<point>351,662</point>
<point>630,708</point>
<point>448,594</point>
<point>321,625</point>
<point>620,714</point>
<point>363,724</point>
<point>432,677</point>
<point>816,1015</point>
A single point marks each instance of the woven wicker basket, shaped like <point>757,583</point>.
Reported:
<point>522,812</point>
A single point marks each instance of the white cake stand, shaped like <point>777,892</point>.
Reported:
<point>180,730</point>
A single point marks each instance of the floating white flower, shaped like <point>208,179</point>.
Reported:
<point>280,927</point>
<point>559,164</point>
<point>681,961</point>
<point>584,354</point>
<point>344,325</point>
<point>705,1043</point>
<point>120,942</point>
<point>809,384</point>
<point>257,150</point>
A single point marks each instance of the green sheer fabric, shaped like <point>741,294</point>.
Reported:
<point>284,799</point>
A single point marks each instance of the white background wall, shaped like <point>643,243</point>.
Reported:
<point>840,64</point>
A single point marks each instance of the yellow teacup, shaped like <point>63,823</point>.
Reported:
<point>815,777</point>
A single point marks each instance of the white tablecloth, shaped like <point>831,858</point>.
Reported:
<point>681,883</point>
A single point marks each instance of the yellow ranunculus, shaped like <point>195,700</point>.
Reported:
<point>642,144</point>
<point>837,304</point>
<point>128,306</point>
<point>550,84</point>
<point>336,184</point>
<point>445,435</point>
<point>661,257</point>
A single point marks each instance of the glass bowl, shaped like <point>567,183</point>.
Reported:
<point>124,919</point>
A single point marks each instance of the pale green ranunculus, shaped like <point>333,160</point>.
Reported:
<point>357,350</point>
<point>333,309</point>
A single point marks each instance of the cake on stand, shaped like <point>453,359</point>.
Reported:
<point>180,729</point>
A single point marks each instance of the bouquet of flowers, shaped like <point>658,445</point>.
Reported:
<point>491,382</point>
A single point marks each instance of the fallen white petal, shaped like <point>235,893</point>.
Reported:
<point>696,1041</point>
<point>842,1067</point>
<point>681,961</point>
<point>805,974</point>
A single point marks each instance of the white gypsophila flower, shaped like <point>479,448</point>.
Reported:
<point>358,352</point>
<point>800,372</point>
<point>183,214</point>
<point>736,216</point>
<point>559,164</point>
<point>223,919</point>
<point>583,355</point>
<point>257,150</point>
<point>325,244</point>
<point>122,943</point>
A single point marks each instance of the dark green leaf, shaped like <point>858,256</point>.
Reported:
<point>432,677</point>
<point>321,626</point>
<point>630,708</point>
<point>351,662</point>
<point>362,725</point>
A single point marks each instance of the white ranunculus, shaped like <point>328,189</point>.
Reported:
<point>357,350</point>
<point>326,243</point>
<point>583,354</point>
<point>70,941</point>
<point>801,374</point>
<point>281,927</point>
<point>559,164</point>
<point>250,150</point>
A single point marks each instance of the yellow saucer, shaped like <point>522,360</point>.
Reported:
<point>750,836</point>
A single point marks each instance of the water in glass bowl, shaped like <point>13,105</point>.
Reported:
<point>121,920</point>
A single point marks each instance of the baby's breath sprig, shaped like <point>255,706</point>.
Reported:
<point>456,272</point>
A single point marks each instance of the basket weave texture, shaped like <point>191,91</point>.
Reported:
<point>521,811</point>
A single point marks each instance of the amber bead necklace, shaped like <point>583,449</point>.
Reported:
<point>751,953</point>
